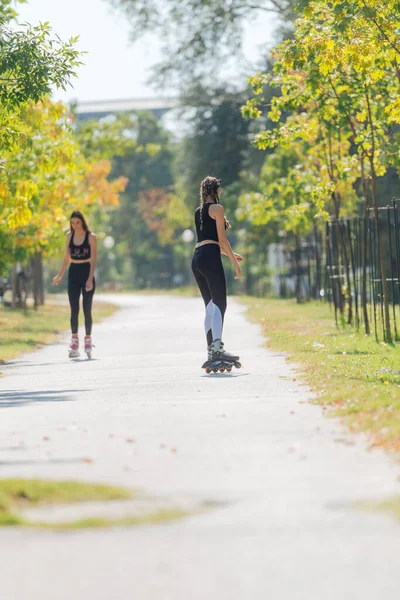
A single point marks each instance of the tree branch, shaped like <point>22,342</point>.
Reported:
<point>379,27</point>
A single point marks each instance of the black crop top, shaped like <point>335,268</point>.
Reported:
<point>81,252</point>
<point>209,229</point>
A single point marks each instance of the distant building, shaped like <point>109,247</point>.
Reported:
<point>98,109</point>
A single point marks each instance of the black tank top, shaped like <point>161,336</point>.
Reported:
<point>81,252</point>
<point>209,229</point>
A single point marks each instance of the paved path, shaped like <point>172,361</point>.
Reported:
<point>286,476</point>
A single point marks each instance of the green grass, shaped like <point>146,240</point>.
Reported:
<point>154,518</point>
<point>391,506</point>
<point>26,331</point>
<point>17,494</point>
<point>355,377</point>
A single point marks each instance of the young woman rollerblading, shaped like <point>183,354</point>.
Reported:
<point>80,255</point>
<point>211,225</point>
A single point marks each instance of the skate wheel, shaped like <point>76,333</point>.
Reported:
<point>215,370</point>
<point>221,370</point>
<point>208,370</point>
<point>229,369</point>
<point>238,365</point>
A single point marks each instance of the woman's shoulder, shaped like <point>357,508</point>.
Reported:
<point>217,209</point>
<point>92,236</point>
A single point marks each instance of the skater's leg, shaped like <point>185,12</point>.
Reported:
<point>87,307</point>
<point>74,290</point>
<point>217,285</point>
<point>206,295</point>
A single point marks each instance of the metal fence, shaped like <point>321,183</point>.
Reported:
<point>354,273</point>
<point>340,263</point>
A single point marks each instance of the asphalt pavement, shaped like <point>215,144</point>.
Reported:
<point>281,483</point>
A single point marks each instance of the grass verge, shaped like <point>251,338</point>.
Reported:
<point>19,494</point>
<point>355,377</point>
<point>26,331</point>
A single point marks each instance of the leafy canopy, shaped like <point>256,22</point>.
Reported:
<point>198,36</point>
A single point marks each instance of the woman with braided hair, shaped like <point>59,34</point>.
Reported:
<point>211,225</point>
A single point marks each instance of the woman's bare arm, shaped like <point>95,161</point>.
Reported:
<point>217,212</point>
<point>93,259</point>
<point>239,257</point>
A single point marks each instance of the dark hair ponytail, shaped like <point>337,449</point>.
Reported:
<point>78,215</point>
<point>210,186</point>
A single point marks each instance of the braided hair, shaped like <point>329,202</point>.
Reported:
<point>210,186</point>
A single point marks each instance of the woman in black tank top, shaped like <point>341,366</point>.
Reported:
<point>80,254</point>
<point>211,225</point>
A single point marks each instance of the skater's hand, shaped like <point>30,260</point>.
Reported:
<point>238,273</point>
<point>89,285</point>
<point>238,257</point>
<point>56,280</point>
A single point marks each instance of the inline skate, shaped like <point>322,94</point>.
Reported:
<point>88,346</point>
<point>73,350</point>
<point>219,360</point>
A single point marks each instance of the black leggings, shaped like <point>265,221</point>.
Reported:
<point>78,274</point>
<point>210,277</point>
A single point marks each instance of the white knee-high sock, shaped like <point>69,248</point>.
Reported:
<point>208,317</point>
<point>216,323</point>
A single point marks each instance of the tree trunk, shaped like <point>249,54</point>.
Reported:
<point>385,291</point>
<point>336,255</point>
<point>14,287</point>
<point>363,243</point>
<point>343,243</point>
<point>318,278</point>
<point>298,266</point>
<point>39,259</point>
<point>36,282</point>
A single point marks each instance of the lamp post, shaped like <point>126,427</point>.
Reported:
<point>188,237</point>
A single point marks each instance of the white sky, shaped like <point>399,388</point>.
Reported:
<point>114,68</point>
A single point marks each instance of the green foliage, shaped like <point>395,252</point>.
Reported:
<point>32,60</point>
<point>199,36</point>
<point>45,177</point>
<point>151,211</point>
<point>217,140</point>
<point>335,78</point>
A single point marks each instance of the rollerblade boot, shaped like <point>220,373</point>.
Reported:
<point>73,350</point>
<point>209,358</point>
<point>88,346</point>
<point>219,352</point>
<point>221,360</point>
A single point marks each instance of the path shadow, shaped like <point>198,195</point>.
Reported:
<point>224,375</point>
<point>40,461</point>
<point>17,398</point>
<point>13,364</point>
